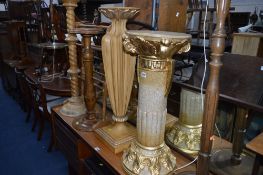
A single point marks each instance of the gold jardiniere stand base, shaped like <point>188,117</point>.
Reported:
<point>184,137</point>
<point>118,135</point>
<point>186,132</point>
<point>140,159</point>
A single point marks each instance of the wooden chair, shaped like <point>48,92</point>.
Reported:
<point>42,104</point>
<point>25,92</point>
<point>35,22</point>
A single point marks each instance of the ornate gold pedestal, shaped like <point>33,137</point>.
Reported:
<point>119,69</point>
<point>185,134</point>
<point>149,154</point>
<point>74,106</point>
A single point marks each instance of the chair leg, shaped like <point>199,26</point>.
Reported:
<point>34,124</point>
<point>51,143</point>
<point>41,129</point>
<point>28,114</point>
<point>256,165</point>
<point>52,138</point>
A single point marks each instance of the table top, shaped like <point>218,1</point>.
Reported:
<point>49,45</point>
<point>114,160</point>
<point>58,86</point>
<point>256,145</point>
<point>199,43</point>
<point>241,80</point>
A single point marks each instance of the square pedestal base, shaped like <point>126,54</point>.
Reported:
<point>118,136</point>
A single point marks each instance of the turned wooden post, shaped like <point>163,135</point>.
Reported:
<point>89,90</point>
<point>239,132</point>
<point>89,121</point>
<point>83,6</point>
<point>70,5</point>
<point>74,105</point>
<point>212,92</point>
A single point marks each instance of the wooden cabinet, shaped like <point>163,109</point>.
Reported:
<point>170,14</point>
<point>73,148</point>
<point>248,44</point>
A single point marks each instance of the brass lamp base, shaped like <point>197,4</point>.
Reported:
<point>139,159</point>
<point>118,135</point>
<point>73,107</point>
<point>185,138</point>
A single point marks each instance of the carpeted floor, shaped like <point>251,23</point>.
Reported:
<point>20,152</point>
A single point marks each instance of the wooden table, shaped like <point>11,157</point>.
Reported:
<point>58,87</point>
<point>256,145</point>
<point>241,80</point>
<point>241,83</point>
<point>77,145</point>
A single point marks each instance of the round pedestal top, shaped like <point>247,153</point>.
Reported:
<point>87,31</point>
<point>155,44</point>
<point>52,45</point>
<point>158,35</point>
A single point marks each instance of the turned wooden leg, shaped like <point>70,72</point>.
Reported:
<point>52,138</point>
<point>29,109</point>
<point>34,124</point>
<point>257,163</point>
<point>41,129</point>
<point>239,132</point>
<point>36,118</point>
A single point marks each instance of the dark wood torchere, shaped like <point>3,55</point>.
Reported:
<point>239,132</point>
<point>245,93</point>
<point>212,93</point>
<point>89,121</point>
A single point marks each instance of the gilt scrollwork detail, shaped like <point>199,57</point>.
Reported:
<point>119,12</point>
<point>185,138</point>
<point>162,49</point>
<point>156,161</point>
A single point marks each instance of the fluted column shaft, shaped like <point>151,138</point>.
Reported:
<point>89,92</point>
<point>151,114</point>
<point>191,112</point>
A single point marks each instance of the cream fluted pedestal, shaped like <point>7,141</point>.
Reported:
<point>149,154</point>
<point>75,105</point>
<point>186,132</point>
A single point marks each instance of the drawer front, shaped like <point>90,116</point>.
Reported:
<point>66,140</point>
